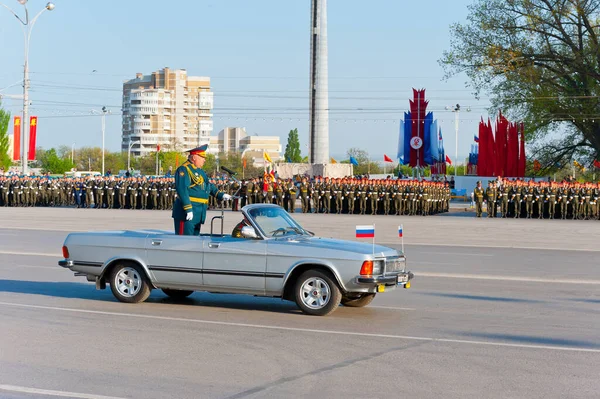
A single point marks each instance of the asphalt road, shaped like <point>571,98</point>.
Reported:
<point>498,309</point>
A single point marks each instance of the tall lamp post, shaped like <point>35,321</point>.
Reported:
<point>131,144</point>
<point>103,113</point>
<point>27,26</point>
<point>456,110</point>
<point>73,153</point>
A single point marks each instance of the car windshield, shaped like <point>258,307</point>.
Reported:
<point>275,222</point>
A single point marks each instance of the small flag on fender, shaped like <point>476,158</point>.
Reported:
<point>400,231</point>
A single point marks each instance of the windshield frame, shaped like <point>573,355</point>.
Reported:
<point>251,212</point>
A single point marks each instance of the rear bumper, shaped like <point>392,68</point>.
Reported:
<point>66,263</point>
<point>394,279</point>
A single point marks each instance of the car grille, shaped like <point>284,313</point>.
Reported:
<point>395,264</point>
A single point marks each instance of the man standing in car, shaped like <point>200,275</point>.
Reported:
<point>193,190</point>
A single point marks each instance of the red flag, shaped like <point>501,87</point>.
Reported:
<point>387,159</point>
<point>482,160</point>
<point>448,160</point>
<point>244,163</point>
<point>158,148</point>
<point>522,158</point>
<point>17,138</point>
<point>597,164</point>
<point>32,137</point>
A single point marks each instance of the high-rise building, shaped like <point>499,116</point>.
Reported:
<point>168,109</point>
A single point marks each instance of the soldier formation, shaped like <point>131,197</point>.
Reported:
<point>539,200</point>
<point>319,195</point>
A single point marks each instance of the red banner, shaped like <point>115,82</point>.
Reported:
<point>32,136</point>
<point>418,108</point>
<point>17,138</point>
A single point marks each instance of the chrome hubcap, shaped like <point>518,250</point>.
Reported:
<point>128,282</point>
<point>315,293</point>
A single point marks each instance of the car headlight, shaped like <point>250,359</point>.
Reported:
<point>371,267</point>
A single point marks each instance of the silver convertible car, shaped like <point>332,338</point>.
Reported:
<point>269,254</point>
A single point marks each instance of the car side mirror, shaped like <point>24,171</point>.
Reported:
<point>249,232</point>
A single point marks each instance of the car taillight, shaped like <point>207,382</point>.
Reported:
<point>65,252</point>
<point>367,268</point>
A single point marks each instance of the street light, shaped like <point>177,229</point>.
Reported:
<point>131,143</point>
<point>456,110</point>
<point>103,113</point>
<point>72,152</point>
<point>27,26</point>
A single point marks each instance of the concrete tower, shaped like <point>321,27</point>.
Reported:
<point>319,91</point>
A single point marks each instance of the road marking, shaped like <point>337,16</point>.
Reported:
<point>305,330</point>
<point>509,278</point>
<point>428,244</point>
<point>459,254</point>
<point>47,392</point>
<point>390,307</point>
<point>54,255</point>
<point>14,267</point>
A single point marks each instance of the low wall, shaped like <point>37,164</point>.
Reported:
<point>289,170</point>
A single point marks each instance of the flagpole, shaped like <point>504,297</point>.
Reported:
<point>373,239</point>
<point>402,227</point>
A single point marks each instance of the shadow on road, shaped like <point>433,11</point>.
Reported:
<point>535,340</point>
<point>205,299</point>
<point>481,297</point>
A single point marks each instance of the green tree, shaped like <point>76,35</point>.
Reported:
<point>540,62</point>
<point>50,162</point>
<point>5,158</point>
<point>292,149</point>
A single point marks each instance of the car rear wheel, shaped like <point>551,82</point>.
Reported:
<point>317,293</point>
<point>128,283</point>
<point>358,301</point>
<point>177,294</point>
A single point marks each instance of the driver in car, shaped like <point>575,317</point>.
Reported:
<point>237,230</point>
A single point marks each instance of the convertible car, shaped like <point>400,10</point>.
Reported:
<point>268,254</point>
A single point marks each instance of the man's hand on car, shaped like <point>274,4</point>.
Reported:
<point>226,197</point>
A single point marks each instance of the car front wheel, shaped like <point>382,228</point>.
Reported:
<point>177,294</point>
<point>359,301</point>
<point>128,283</point>
<point>317,293</point>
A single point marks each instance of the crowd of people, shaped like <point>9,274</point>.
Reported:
<point>317,195</point>
<point>539,200</point>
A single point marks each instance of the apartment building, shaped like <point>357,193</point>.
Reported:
<point>235,139</point>
<point>167,108</point>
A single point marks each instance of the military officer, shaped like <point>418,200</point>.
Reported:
<point>193,189</point>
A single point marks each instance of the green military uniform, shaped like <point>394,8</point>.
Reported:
<point>478,194</point>
<point>193,189</point>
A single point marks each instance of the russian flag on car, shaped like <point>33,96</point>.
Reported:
<point>365,231</point>
<point>400,231</point>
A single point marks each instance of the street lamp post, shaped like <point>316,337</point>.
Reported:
<point>129,153</point>
<point>103,113</point>
<point>27,29</point>
<point>456,110</point>
<point>73,153</point>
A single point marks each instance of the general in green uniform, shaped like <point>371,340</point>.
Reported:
<point>193,190</point>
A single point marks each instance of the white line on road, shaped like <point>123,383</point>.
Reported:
<point>305,330</point>
<point>556,280</point>
<point>390,307</point>
<point>458,254</point>
<point>54,255</point>
<point>47,392</point>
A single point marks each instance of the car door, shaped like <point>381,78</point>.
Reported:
<point>235,264</point>
<point>175,261</point>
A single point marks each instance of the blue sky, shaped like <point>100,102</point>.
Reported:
<point>256,53</point>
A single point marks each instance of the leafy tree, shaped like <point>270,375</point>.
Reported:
<point>50,162</point>
<point>540,62</point>
<point>5,158</point>
<point>365,165</point>
<point>292,149</point>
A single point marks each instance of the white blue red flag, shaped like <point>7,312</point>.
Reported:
<point>400,231</point>
<point>365,231</point>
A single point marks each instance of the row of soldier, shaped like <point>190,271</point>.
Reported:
<point>541,200</point>
<point>319,195</point>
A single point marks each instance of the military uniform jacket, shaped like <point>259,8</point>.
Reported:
<point>193,189</point>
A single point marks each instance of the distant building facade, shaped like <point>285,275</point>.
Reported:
<point>235,139</point>
<point>167,108</point>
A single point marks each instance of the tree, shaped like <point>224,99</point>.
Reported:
<point>292,149</point>
<point>5,158</point>
<point>365,165</point>
<point>51,163</point>
<point>540,62</point>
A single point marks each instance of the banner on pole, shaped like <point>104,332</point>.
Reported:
<point>32,137</point>
<point>17,138</point>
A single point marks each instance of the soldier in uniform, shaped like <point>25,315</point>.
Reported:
<point>292,192</point>
<point>305,195</point>
<point>193,189</point>
<point>478,194</point>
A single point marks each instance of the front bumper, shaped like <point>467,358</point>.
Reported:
<point>388,279</point>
